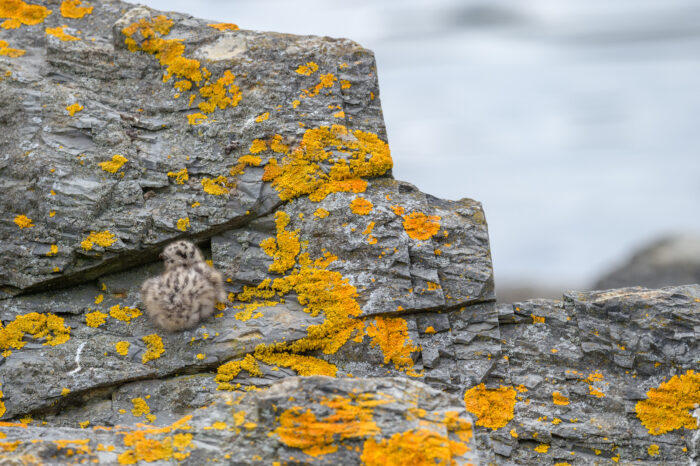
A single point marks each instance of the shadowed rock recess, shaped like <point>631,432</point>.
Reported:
<point>361,325</point>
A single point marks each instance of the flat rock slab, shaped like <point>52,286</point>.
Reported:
<point>310,420</point>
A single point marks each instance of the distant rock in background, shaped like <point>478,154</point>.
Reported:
<point>674,260</point>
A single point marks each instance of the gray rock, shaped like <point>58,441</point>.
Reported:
<point>673,260</point>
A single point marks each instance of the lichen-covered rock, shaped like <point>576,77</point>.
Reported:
<point>601,377</point>
<point>296,421</point>
<point>129,128</point>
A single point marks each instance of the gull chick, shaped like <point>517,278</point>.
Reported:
<point>186,293</point>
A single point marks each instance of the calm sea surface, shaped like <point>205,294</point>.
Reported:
<point>575,123</point>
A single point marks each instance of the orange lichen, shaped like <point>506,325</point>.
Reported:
<point>196,118</point>
<point>559,399</point>
<point>325,81</point>
<point>321,213</point>
<point>60,34</point>
<point>74,108</point>
<point>37,325</point>
<point>18,12</point>
<point>183,224</point>
<point>100,238</point>
<point>125,314</point>
<point>113,165</point>
<point>391,335</point>
<point>7,51</point>
<point>361,206</point>
<point>299,172</point>
<point>2,405</point>
<point>595,392</point>
<point>284,248</point>
<point>413,447</point>
<point>669,406</point>
<point>542,448</point>
<point>122,347</point>
<point>99,298</point>
<point>224,26</point>
<point>95,319</point>
<point>351,418</point>
<point>155,348</point>
<point>222,93</point>
<point>420,226</point>
<point>140,407</point>
<point>430,330</point>
<point>537,319</point>
<point>72,9</point>
<point>262,117</point>
<point>180,176</point>
<point>227,372</point>
<point>149,449</point>
<point>398,210</point>
<point>257,146</point>
<point>493,407</point>
<point>22,221</point>
<point>308,69</point>
<point>303,365</point>
<point>217,186</point>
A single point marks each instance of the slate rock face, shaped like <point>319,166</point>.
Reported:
<point>270,152</point>
<point>332,421</point>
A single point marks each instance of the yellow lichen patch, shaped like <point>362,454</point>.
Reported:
<point>513,433</point>
<point>247,313</point>
<point>95,319</point>
<point>222,93</point>
<point>542,448</point>
<point>113,165</point>
<point>299,172</point>
<point>361,206</point>
<point>340,114</point>
<point>74,108</point>
<point>430,330</point>
<point>65,391</point>
<point>122,347</point>
<point>351,418</point>
<point>257,146</point>
<point>321,213</point>
<point>125,314</point>
<point>669,407</point>
<point>2,405</point>
<point>18,12</point>
<point>303,365</point>
<point>180,176</point>
<point>224,26</point>
<point>559,399</point>
<point>284,248</point>
<point>653,450</point>
<point>140,407</point>
<point>183,224</point>
<point>7,51</point>
<point>325,81</point>
<point>308,69</point>
<point>420,226</point>
<point>250,160</point>
<point>60,34</point>
<point>345,84</point>
<point>493,407</point>
<point>22,221</point>
<point>413,447</point>
<point>84,424</point>
<point>99,298</point>
<point>72,9</point>
<point>227,372</point>
<point>398,210</point>
<point>154,344</point>
<point>100,238</point>
<point>37,325</point>
<point>196,118</point>
<point>390,334</point>
<point>537,319</point>
<point>216,187</point>
<point>595,392</point>
<point>262,117</point>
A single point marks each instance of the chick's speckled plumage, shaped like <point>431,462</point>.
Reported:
<point>186,293</point>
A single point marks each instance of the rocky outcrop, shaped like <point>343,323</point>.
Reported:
<point>270,151</point>
<point>673,260</point>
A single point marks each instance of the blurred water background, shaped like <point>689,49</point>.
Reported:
<point>575,123</point>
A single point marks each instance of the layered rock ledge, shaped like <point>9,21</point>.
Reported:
<point>127,128</point>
